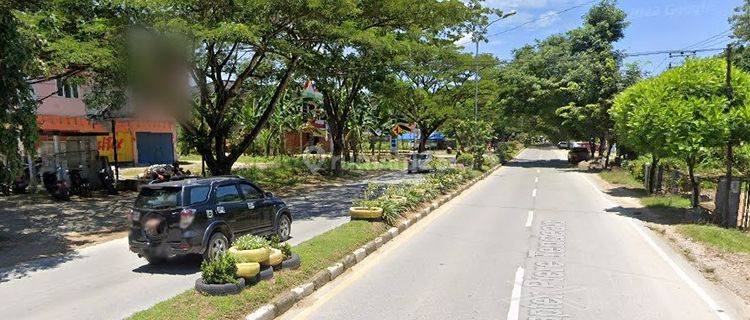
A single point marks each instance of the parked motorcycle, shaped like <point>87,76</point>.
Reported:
<point>19,184</point>
<point>79,185</point>
<point>57,188</point>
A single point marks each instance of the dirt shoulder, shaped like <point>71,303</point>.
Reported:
<point>727,269</point>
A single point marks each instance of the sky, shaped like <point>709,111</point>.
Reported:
<point>655,25</point>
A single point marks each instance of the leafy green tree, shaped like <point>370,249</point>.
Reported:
<point>431,86</point>
<point>683,112</point>
<point>18,117</point>
<point>358,53</point>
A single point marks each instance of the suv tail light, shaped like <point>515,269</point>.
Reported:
<point>186,218</point>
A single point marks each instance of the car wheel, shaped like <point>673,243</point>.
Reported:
<point>217,245</point>
<point>284,227</point>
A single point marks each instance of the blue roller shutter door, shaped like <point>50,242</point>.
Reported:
<point>154,148</point>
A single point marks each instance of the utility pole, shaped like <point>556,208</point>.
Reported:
<point>724,219</point>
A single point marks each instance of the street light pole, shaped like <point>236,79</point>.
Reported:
<point>476,61</point>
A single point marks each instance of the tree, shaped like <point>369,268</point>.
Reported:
<point>682,112</point>
<point>233,49</point>
<point>431,85</point>
<point>18,117</point>
<point>359,52</point>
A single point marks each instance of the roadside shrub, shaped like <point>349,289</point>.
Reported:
<point>221,270</point>
<point>465,159</point>
<point>285,248</point>
<point>251,242</point>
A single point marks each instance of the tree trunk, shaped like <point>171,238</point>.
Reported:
<point>337,137</point>
<point>652,174</point>
<point>602,143</point>
<point>695,195</point>
<point>347,147</point>
<point>592,146</point>
<point>609,153</point>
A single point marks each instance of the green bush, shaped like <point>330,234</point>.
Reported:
<point>285,248</point>
<point>251,242</point>
<point>465,159</point>
<point>221,270</point>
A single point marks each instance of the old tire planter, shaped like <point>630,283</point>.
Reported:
<point>255,255</point>
<point>292,262</point>
<point>219,289</point>
<point>265,273</point>
<point>275,258</point>
<point>248,270</point>
<point>366,212</point>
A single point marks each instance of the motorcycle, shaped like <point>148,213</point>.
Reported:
<point>79,185</point>
<point>57,188</point>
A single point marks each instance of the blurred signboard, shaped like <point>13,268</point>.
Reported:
<point>124,147</point>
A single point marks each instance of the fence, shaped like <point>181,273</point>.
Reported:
<point>711,194</point>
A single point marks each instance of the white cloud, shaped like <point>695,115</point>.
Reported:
<point>465,39</point>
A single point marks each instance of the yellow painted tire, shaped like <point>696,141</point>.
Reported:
<point>248,270</point>
<point>366,212</point>
<point>255,255</point>
<point>275,258</point>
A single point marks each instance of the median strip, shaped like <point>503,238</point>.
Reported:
<point>324,257</point>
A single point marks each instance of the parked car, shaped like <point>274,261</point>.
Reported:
<point>578,154</point>
<point>202,216</point>
<point>563,145</point>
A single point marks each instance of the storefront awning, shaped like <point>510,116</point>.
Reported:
<point>69,125</point>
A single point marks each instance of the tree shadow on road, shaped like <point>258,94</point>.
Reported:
<point>549,163</point>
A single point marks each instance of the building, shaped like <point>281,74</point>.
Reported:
<point>68,139</point>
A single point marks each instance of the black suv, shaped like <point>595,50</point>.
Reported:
<point>202,216</point>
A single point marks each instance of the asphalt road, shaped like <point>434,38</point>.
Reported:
<point>107,281</point>
<point>484,255</point>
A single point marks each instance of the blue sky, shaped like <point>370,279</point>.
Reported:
<point>654,25</point>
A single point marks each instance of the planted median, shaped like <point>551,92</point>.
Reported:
<point>317,253</point>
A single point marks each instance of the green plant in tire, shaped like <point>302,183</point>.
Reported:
<point>251,242</point>
<point>285,248</point>
<point>221,270</point>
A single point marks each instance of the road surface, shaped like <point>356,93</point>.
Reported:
<point>535,240</point>
<point>107,281</point>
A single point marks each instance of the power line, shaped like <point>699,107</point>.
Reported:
<point>544,17</point>
<point>651,53</point>
<point>709,39</point>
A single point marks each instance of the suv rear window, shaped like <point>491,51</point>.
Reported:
<point>161,198</point>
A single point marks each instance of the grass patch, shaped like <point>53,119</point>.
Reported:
<point>376,166</point>
<point>730,240</point>
<point>621,177</point>
<point>666,202</point>
<point>316,254</point>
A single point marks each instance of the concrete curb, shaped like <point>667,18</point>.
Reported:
<point>286,300</point>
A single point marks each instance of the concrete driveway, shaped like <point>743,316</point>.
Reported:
<point>107,281</point>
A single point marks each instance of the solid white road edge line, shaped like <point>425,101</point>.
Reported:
<point>515,296</point>
<point>715,308</point>
<point>529,218</point>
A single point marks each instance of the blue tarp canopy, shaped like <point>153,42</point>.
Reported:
<point>435,136</point>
